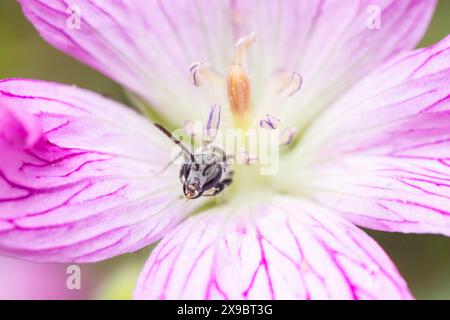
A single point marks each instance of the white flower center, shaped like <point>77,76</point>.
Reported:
<point>246,118</point>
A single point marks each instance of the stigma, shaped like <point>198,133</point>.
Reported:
<point>238,85</point>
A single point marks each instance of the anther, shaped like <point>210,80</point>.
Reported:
<point>212,123</point>
<point>286,136</point>
<point>270,122</point>
<point>290,83</point>
<point>202,73</point>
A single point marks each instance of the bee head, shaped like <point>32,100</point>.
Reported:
<point>201,178</point>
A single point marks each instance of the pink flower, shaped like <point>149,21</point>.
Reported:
<point>367,117</point>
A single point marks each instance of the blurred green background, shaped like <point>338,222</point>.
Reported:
<point>424,260</point>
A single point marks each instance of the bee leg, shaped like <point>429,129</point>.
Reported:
<point>226,182</point>
<point>214,191</point>
<point>218,188</point>
<point>228,176</point>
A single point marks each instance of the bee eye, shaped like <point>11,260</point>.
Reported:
<point>209,170</point>
<point>213,175</point>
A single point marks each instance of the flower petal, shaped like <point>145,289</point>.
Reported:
<point>381,155</point>
<point>293,249</point>
<point>18,127</point>
<point>88,190</point>
<point>149,45</point>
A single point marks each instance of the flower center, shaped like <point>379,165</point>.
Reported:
<point>244,116</point>
<point>284,84</point>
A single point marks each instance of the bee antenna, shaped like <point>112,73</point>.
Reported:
<point>175,140</point>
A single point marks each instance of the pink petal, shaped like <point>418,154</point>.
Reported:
<point>382,152</point>
<point>18,127</point>
<point>90,189</point>
<point>149,45</point>
<point>290,249</point>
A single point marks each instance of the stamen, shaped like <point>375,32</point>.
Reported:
<point>286,136</point>
<point>284,85</point>
<point>212,123</point>
<point>194,72</point>
<point>290,83</point>
<point>202,73</point>
<point>270,122</point>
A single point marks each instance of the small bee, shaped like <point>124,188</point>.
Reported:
<point>205,173</point>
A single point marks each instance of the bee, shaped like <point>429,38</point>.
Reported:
<point>203,173</point>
